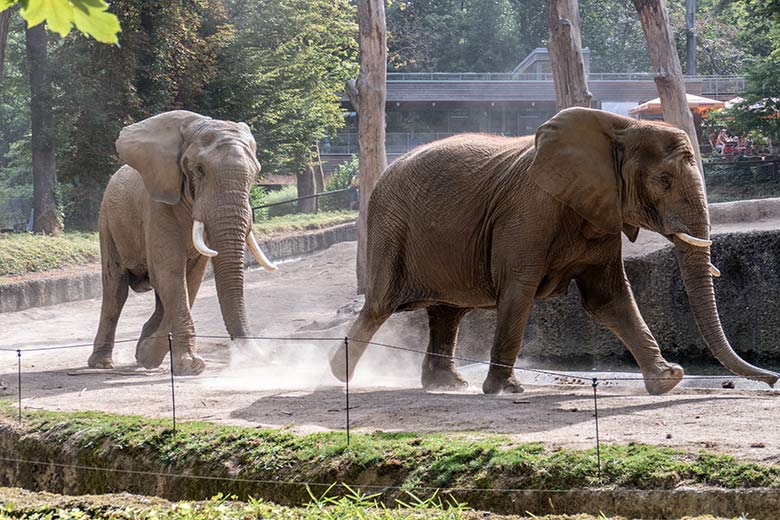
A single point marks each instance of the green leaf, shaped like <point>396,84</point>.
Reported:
<point>89,16</point>
<point>101,25</point>
<point>5,4</point>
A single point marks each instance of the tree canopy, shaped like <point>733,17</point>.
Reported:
<point>276,65</point>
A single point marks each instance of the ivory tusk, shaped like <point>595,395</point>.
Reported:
<point>199,242</point>
<point>698,242</point>
<point>254,248</point>
<point>714,271</point>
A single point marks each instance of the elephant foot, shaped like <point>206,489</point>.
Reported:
<point>100,360</point>
<point>443,378</point>
<point>663,380</point>
<point>497,384</point>
<point>188,366</point>
<point>338,366</point>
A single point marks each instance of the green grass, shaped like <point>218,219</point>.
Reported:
<point>18,504</point>
<point>22,253</point>
<point>407,460</point>
<point>301,222</point>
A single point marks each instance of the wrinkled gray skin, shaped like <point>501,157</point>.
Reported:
<point>181,167</point>
<point>479,221</point>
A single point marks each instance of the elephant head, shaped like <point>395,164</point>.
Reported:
<point>651,182</point>
<point>204,169</point>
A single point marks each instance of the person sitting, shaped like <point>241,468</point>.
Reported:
<point>720,142</point>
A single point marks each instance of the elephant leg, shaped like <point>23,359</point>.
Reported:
<point>439,372</point>
<point>364,328</point>
<point>512,315</point>
<point>196,270</point>
<point>168,275</point>
<point>150,327</point>
<point>607,296</point>
<point>115,287</point>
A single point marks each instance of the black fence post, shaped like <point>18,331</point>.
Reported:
<point>346,379</point>
<point>19,380</point>
<point>596,416</point>
<point>173,386</point>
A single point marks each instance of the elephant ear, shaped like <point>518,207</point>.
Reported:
<point>153,148</point>
<point>578,162</point>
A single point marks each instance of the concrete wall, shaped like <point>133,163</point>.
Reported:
<point>68,287</point>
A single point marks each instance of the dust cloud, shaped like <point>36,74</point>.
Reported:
<point>302,364</point>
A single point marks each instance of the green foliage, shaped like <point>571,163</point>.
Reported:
<point>283,73</point>
<point>340,179</point>
<point>89,16</point>
<point>260,196</point>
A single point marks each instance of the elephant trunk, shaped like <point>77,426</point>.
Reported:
<point>227,230</point>
<point>694,261</point>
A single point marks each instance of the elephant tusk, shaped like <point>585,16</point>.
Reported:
<point>698,242</point>
<point>714,271</point>
<point>199,241</point>
<point>254,247</point>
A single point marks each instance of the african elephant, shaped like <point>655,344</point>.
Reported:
<point>480,221</point>
<point>187,178</point>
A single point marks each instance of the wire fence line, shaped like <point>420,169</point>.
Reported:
<point>345,341</point>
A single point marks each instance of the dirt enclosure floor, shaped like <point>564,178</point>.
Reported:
<point>287,384</point>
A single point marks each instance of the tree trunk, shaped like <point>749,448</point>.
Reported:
<point>565,48</point>
<point>5,22</point>
<point>319,173</point>
<point>306,187</point>
<point>668,71</point>
<point>43,161</point>
<point>371,88</point>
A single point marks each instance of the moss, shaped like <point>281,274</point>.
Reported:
<point>404,460</point>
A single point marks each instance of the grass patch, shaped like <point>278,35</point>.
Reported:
<point>407,460</point>
<point>25,252</point>
<point>302,222</point>
<point>22,504</point>
<point>22,253</point>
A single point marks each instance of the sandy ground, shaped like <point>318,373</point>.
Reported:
<point>286,384</point>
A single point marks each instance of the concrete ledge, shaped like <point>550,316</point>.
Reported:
<point>68,287</point>
<point>744,211</point>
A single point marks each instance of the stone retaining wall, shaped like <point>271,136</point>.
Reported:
<point>68,287</point>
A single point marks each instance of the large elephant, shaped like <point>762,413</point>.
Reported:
<point>187,178</point>
<point>479,221</point>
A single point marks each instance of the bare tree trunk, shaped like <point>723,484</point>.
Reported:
<point>565,48</point>
<point>371,90</point>
<point>306,186</point>
<point>668,71</point>
<point>5,22</point>
<point>43,162</point>
<point>319,173</point>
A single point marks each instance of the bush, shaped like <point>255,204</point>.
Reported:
<point>339,180</point>
<point>259,196</point>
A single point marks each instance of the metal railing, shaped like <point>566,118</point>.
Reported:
<point>315,196</point>
<point>712,82</point>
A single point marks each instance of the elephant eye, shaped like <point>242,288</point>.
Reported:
<point>664,180</point>
<point>199,171</point>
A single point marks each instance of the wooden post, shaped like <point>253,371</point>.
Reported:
<point>667,69</point>
<point>565,48</point>
<point>370,97</point>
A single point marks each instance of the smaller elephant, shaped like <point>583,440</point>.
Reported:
<point>183,191</point>
<point>480,221</point>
